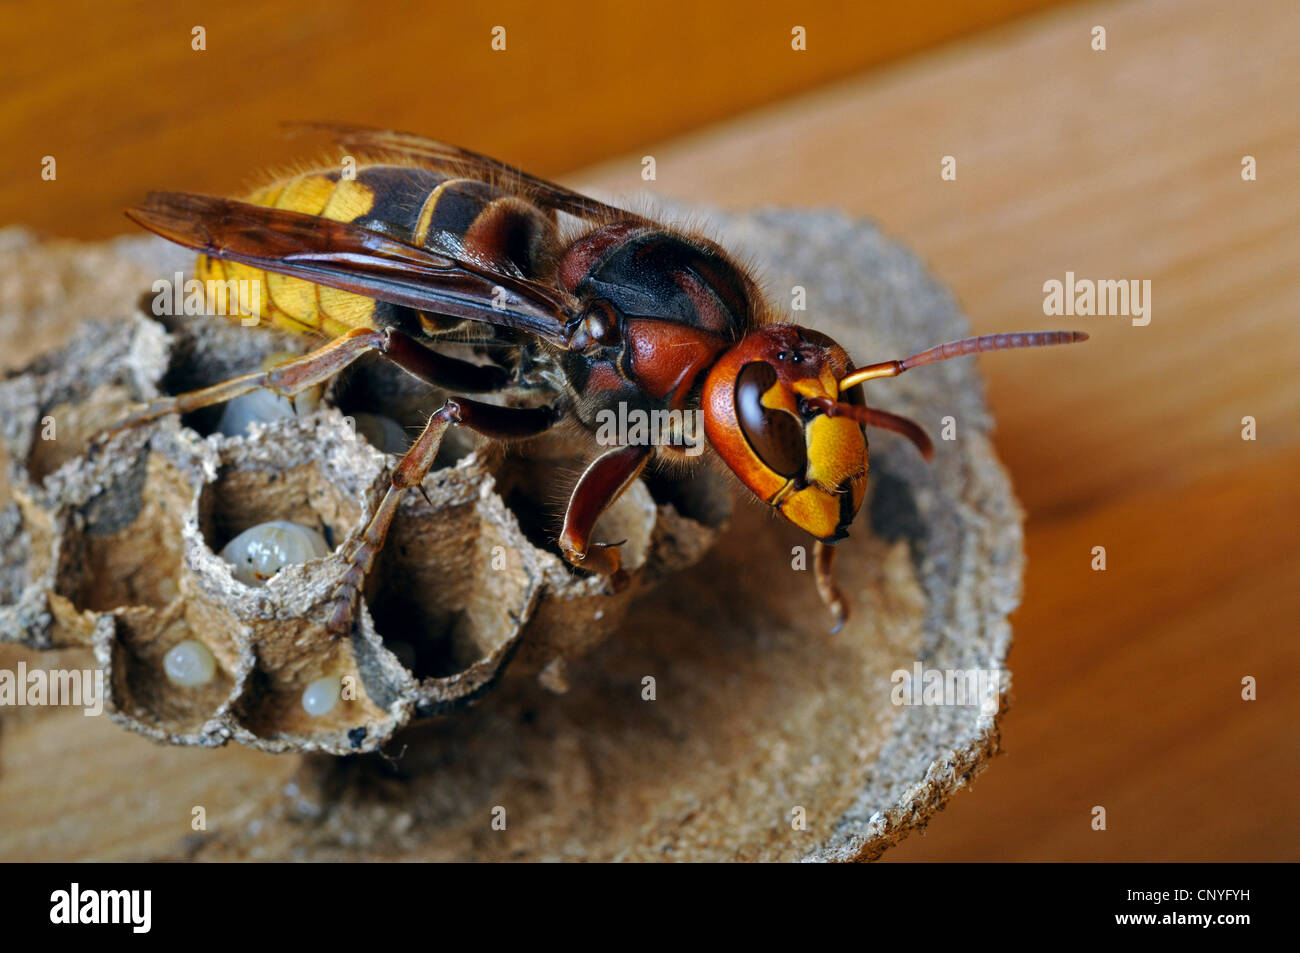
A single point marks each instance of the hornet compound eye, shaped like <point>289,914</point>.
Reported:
<point>774,435</point>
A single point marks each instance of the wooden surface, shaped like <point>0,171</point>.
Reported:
<point>1122,164</point>
<point>124,104</point>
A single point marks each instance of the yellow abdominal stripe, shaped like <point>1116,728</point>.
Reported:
<point>295,304</point>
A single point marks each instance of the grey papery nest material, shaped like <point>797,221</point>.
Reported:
<point>754,714</point>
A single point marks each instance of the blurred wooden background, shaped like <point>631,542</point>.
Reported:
<point>124,104</point>
<point>1117,164</point>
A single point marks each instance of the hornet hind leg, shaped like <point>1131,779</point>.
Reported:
<point>295,376</point>
<point>496,423</point>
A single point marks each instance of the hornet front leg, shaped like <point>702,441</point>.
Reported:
<point>832,598</point>
<point>597,490</point>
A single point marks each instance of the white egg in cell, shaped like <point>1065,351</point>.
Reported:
<point>259,553</point>
<point>264,406</point>
<point>189,664</point>
<point>322,695</point>
<point>259,406</point>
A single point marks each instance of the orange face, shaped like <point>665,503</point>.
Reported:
<point>763,405</point>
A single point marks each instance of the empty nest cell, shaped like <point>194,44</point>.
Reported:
<point>201,558</point>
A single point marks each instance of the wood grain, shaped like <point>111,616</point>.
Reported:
<point>124,104</point>
<point>1119,164</point>
<point>1122,164</point>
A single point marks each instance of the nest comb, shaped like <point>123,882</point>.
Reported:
<point>117,549</point>
<point>758,710</point>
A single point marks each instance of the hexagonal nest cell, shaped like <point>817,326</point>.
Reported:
<point>118,546</point>
<point>687,716</point>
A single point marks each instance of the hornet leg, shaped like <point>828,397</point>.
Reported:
<point>823,559</point>
<point>497,423</point>
<point>295,376</point>
<point>602,483</point>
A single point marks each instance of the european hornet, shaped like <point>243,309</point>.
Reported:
<point>429,244</point>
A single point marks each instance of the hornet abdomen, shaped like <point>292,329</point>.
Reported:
<point>464,217</point>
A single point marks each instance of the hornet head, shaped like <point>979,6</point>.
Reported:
<point>784,409</point>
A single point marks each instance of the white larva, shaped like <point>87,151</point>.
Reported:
<point>189,664</point>
<point>259,553</point>
<point>264,406</point>
<point>322,695</point>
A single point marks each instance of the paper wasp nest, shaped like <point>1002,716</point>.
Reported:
<point>117,548</point>
<point>720,713</point>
